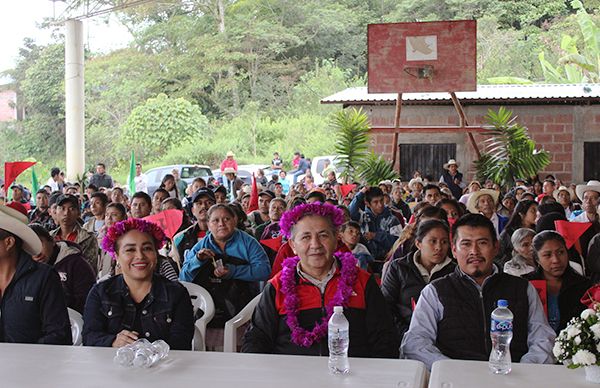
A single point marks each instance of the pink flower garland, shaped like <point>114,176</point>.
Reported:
<point>120,228</point>
<point>291,217</point>
<point>301,336</point>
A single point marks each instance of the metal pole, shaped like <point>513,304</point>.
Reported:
<point>74,100</point>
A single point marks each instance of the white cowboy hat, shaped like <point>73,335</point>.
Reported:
<point>230,153</point>
<point>16,223</point>
<point>414,181</point>
<point>592,185</point>
<point>563,188</point>
<point>450,162</point>
<point>475,196</point>
<point>229,170</point>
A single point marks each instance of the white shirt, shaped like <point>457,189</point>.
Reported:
<point>53,184</point>
<point>581,218</point>
<point>495,220</point>
<point>141,183</point>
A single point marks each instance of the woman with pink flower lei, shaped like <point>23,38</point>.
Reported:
<point>296,304</point>
<point>138,303</point>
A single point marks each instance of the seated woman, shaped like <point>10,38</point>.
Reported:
<point>564,287</point>
<point>227,262</point>
<point>139,303</point>
<point>524,216</point>
<point>522,261</point>
<point>293,312</point>
<point>406,277</point>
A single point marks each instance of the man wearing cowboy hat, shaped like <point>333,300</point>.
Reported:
<point>33,307</point>
<point>453,178</point>
<point>231,182</point>
<point>485,201</point>
<point>564,195</point>
<point>416,190</point>
<point>229,162</point>
<point>589,194</point>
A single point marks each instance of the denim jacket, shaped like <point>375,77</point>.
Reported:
<point>167,313</point>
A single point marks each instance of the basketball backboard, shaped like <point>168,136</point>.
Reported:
<point>422,57</point>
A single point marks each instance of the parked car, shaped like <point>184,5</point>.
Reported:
<point>317,165</point>
<point>245,172</point>
<point>187,172</point>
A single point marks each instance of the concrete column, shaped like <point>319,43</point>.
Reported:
<point>74,100</point>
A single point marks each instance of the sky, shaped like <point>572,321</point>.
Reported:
<point>20,19</point>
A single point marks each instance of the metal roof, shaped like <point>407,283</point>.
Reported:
<point>485,93</point>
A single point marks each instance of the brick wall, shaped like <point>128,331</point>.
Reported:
<point>7,98</point>
<point>559,129</point>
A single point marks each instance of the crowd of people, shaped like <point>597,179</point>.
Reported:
<point>418,265</point>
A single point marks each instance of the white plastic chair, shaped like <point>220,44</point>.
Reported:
<point>76,326</point>
<point>231,326</point>
<point>202,300</point>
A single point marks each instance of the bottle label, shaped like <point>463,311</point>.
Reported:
<point>501,326</point>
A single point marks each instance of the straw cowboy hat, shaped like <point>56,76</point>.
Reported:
<point>592,185</point>
<point>563,188</point>
<point>414,181</point>
<point>14,222</point>
<point>230,153</point>
<point>229,170</point>
<point>475,196</point>
<point>451,162</point>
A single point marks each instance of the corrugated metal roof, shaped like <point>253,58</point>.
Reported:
<point>484,93</point>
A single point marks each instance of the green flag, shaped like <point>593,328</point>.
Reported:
<point>35,186</point>
<point>131,178</point>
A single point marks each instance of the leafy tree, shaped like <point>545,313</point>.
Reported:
<point>374,169</point>
<point>162,123</point>
<point>352,140</point>
<point>509,151</point>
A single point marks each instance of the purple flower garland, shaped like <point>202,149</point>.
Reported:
<point>291,217</point>
<point>301,336</point>
<point>120,228</point>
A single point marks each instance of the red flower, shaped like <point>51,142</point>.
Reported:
<point>591,296</point>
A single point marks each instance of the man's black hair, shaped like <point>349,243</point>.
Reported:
<point>474,221</point>
<point>144,196</point>
<point>431,186</point>
<point>101,196</point>
<point>372,193</point>
<point>101,164</point>
<point>54,172</point>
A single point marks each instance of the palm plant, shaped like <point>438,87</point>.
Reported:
<point>352,128</point>
<point>509,151</point>
<point>375,169</point>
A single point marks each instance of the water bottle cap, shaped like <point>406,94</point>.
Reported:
<point>502,303</point>
<point>338,309</point>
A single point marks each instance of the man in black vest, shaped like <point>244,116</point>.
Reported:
<point>452,317</point>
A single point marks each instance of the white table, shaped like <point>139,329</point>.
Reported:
<point>476,374</point>
<point>29,366</point>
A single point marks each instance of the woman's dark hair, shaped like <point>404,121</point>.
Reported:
<point>550,207</point>
<point>541,238</point>
<point>221,206</point>
<point>516,220</point>
<point>546,222</point>
<point>452,202</point>
<point>427,226</point>
<point>239,212</point>
<point>431,212</point>
<point>119,206</point>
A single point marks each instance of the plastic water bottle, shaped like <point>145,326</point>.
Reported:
<point>125,355</point>
<point>339,340</point>
<point>501,333</point>
<point>142,353</point>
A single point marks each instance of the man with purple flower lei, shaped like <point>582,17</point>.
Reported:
<point>295,307</point>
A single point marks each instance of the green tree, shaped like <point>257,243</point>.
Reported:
<point>352,140</point>
<point>509,151</point>
<point>374,169</point>
<point>162,123</point>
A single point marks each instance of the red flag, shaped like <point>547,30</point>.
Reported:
<point>346,189</point>
<point>541,288</point>
<point>169,220</point>
<point>12,170</point>
<point>571,231</point>
<point>273,243</point>
<point>253,205</point>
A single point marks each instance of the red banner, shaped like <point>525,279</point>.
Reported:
<point>169,220</point>
<point>12,170</point>
<point>273,243</point>
<point>253,205</point>
<point>346,189</point>
<point>571,231</point>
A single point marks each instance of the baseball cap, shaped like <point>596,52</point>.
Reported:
<point>203,192</point>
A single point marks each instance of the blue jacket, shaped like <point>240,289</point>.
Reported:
<point>240,245</point>
<point>167,313</point>
<point>383,225</point>
<point>33,309</point>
